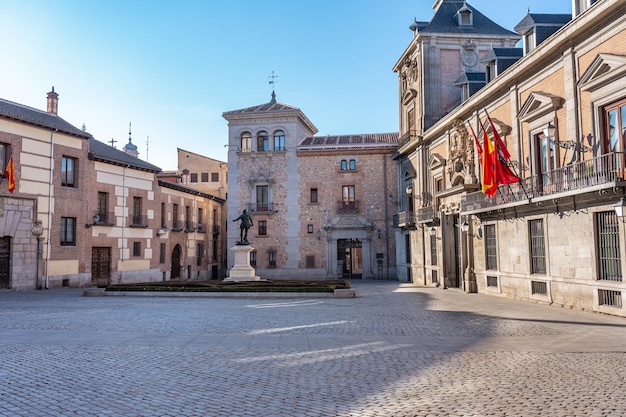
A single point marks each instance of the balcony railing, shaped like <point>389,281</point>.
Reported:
<point>177,225</point>
<point>261,207</point>
<point>138,220</point>
<point>407,137</point>
<point>404,219</point>
<point>104,219</point>
<point>594,172</point>
<point>190,226</point>
<point>345,207</point>
<point>216,229</point>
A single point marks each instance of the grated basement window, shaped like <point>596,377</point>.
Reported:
<point>539,287</point>
<point>492,281</point>
<point>610,298</point>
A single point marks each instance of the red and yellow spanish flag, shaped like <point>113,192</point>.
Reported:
<point>9,174</point>
<point>490,183</point>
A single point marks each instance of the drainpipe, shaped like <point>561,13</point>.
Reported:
<point>50,191</point>
<point>386,217</point>
<point>123,212</point>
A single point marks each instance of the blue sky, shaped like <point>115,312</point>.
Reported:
<point>173,67</point>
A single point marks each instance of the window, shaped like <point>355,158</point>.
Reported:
<point>352,165</point>
<point>163,216</point>
<point>4,155</point>
<point>162,253</point>
<point>615,127</point>
<point>309,228</point>
<point>68,171</point>
<point>272,258</point>
<point>188,221</point>
<point>204,177</point>
<point>103,200</point>
<point>547,157</point>
<point>246,142</point>
<point>529,41</point>
<point>175,219</point>
<point>310,261</point>
<point>263,142</point>
<point>537,247</point>
<point>347,196</point>
<point>609,254</point>
<point>490,247</point>
<point>199,253</point>
<point>262,227</point>
<point>344,165</point>
<point>313,195</point>
<point>137,216</point>
<point>194,177</point>
<point>262,197</point>
<point>215,177</point>
<point>68,231</point>
<point>433,250</point>
<point>200,219</point>
<point>279,140</point>
<point>136,248</point>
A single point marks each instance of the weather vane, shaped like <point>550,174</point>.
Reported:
<point>272,79</point>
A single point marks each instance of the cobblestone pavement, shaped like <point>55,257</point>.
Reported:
<point>396,350</point>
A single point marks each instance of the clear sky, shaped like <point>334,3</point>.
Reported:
<point>173,67</point>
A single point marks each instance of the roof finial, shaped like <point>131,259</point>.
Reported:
<point>129,131</point>
<point>272,82</point>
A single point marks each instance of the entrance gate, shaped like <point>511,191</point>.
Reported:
<point>100,266</point>
<point>175,263</point>
<point>349,255</point>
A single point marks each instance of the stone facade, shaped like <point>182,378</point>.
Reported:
<point>553,237</point>
<point>293,189</point>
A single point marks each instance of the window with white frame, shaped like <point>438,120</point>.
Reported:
<point>279,140</point>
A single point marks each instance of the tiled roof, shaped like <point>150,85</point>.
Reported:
<point>271,107</point>
<point>349,141</point>
<point>445,21</point>
<point>471,77</point>
<point>189,190</point>
<point>500,53</point>
<point>103,152</point>
<point>30,115</point>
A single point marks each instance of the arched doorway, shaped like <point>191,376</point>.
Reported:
<point>175,263</point>
<point>5,261</point>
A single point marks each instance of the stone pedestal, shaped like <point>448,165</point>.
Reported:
<point>242,271</point>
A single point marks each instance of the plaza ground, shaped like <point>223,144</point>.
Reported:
<point>395,350</point>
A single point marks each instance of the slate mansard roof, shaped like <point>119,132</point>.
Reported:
<point>39,118</point>
<point>102,152</point>
<point>445,21</point>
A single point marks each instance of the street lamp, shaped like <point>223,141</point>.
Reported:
<point>465,226</point>
<point>432,231</point>
<point>550,130</point>
<point>620,208</point>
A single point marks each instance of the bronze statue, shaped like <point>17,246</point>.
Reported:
<point>246,223</point>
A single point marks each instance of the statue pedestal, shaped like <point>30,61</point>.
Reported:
<point>242,271</point>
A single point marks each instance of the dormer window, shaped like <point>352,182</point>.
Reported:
<point>464,16</point>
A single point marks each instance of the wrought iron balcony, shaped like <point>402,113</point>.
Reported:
<point>138,220</point>
<point>407,138</point>
<point>577,178</point>
<point>177,225</point>
<point>261,207</point>
<point>189,226</point>
<point>104,219</point>
<point>216,229</point>
<point>347,207</point>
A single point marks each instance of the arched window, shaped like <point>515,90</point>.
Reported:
<point>352,165</point>
<point>344,165</point>
<point>279,140</point>
<point>263,142</point>
<point>246,142</point>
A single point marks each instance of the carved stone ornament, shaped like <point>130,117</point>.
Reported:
<point>469,56</point>
<point>36,229</point>
<point>460,165</point>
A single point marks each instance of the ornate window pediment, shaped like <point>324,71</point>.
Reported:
<point>604,69</point>
<point>436,161</point>
<point>538,104</point>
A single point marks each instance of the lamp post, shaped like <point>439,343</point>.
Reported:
<point>620,208</point>
<point>469,284</point>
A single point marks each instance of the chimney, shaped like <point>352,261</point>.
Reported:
<point>53,102</point>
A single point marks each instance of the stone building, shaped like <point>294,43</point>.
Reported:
<point>556,236</point>
<point>320,205</point>
<point>84,213</point>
